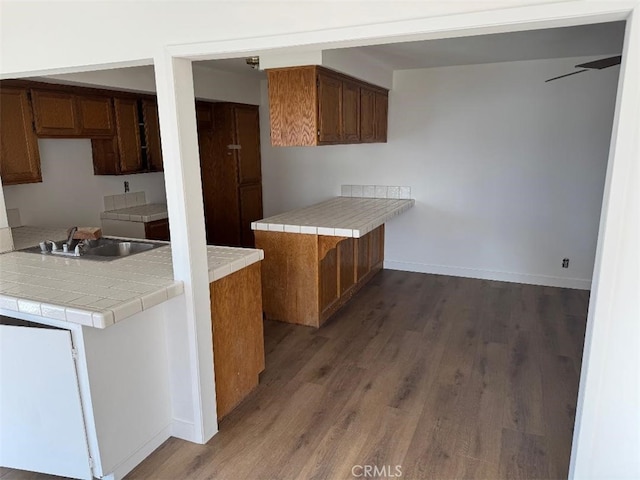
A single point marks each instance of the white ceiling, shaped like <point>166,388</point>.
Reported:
<point>578,41</point>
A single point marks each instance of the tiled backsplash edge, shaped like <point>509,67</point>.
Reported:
<point>6,240</point>
<point>124,200</point>
<point>376,191</point>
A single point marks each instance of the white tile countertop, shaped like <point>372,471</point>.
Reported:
<point>140,213</point>
<point>338,217</point>
<point>98,294</point>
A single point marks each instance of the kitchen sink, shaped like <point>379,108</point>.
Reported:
<point>103,249</point>
<point>120,249</point>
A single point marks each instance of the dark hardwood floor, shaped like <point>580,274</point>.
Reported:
<point>443,377</point>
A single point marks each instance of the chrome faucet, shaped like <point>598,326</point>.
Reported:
<point>72,232</point>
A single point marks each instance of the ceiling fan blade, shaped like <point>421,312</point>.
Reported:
<point>565,75</point>
<point>602,63</point>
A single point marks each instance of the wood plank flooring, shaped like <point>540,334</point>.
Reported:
<point>444,377</point>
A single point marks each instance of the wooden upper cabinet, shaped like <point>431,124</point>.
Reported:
<point>128,134</point>
<point>19,157</point>
<point>246,133</point>
<point>329,109</point>
<point>95,115</point>
<point>152,135</point>
<point>55,113</point>
<point>63,114</point>
<point>350,112</point>
<point>312,105</point>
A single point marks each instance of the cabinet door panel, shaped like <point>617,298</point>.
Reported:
<point>350,112</point>
<point>55,113</point>
<point>293,107</point>
<point>376,245</point>
<point>106,159</point>
<point>382,102</point>
<point>157,230</point>
<point>347,264</point>
<point>41,422</point>
<point>329,109</point>
<point>363,265</point>
<point>247,138</point>
<point>250,211</point>
<point>96,115</point>
<point>367,115</point>
<point>128,135</point>
<point>328,273</point>
<point>152,134</point>
<point>19,157</point>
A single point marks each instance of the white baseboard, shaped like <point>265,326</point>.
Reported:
<point>139,455</point>
<point>183,430</point>
<point>545,280</point>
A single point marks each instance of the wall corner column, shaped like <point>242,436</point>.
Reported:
<point>174,83</point>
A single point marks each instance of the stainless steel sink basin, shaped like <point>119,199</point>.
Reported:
<point>120,249</point>
<point>103,249</point>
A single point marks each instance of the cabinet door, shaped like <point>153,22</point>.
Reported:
<point>350,112</point>
<point>128,135</point>
<point>106,158</point>
<point>247,143</point>
<point>19,158</point>
<point>41,421</point>
<point>367,115</point>
<point>55,113</point>
<point>157,230</point>
<point>152,135</point>
<point>346,252</point>
<point>250,211</point>
<point>382,102</point>
<point>95,116</point>
<point>363,266</point>
<point>328,272</point>
<point>329,109</point>
<point>376,246</point>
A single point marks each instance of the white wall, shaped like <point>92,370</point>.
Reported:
<point>507,171</point>
<point>208,83</point>
<point>108,33</point>
<point>70,194</point>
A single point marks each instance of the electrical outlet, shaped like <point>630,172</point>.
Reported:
<point>126,186</point>
<point>565,263</point>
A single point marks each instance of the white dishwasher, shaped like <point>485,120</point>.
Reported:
<point>41,422</point>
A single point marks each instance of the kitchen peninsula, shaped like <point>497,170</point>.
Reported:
<point>318,257</point>
<point>92,369</point>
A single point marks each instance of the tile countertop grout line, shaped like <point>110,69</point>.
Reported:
<point>32,288</point>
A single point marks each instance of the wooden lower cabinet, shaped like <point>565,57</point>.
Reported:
<point>157,230</point>
<point>238,338</point>
<point>307,278</point>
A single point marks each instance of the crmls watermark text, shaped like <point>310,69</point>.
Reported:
<point>365,471</point>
